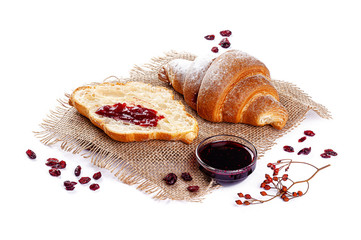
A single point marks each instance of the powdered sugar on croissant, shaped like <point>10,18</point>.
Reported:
<point>234,87</point>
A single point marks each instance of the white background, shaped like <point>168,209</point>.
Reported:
<point>48,48</point>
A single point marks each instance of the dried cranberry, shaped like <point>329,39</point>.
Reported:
<point>330,152</point>
<point>304,151</point>
<point>51,162</point>
<point>225,33</point>
<point>325,155</point>
<point>69,183</point>
<point>288,148</point>
<point>31,154</point>
<point>61,165</point>
<point>214,49</point>
<point>97,175</point>
<point>84,180</point>
<point>209,37</point>
<point>54,172</point>
<point>193,188</point>
<point>225,43</point>
<point>302,139</point>
<point>186,176</point>
<point>309,133</point>
<point>77,170</point>
<point>94,186</point>
<point>70,186</point>
<point>170,179</point>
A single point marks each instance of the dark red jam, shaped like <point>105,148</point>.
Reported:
<point>137,115</point>
<point>229,161</point>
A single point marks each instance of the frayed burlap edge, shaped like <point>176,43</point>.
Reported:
<point>102,158</point>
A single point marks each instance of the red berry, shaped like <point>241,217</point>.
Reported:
<point>268,178</point>
<point>61,165</point>
<point>309,133</point>
<point>247,196</point>
<point>69,183</point>
<point>240,194</point>
<point>84,180</point>
<point>325,155</point>
<point>302,139</point>
<point>215,49</point>
<point>54,172</point>
<point>330,152</point>
<point>267,187</point>
<point>94,187</point>
<point>225,33</point>
<point>285,177</point>
<point>263,193</point>
<point>224,43</point>
<point>170,179</point>
<point>69,186</point>
<point>239,202</point>
<point>31,154</point>
<point>299,193</point>
<point>186,176</point>
<point>97,175</point>
<point>304,151</point>
<point>246,203</point>
<point>51,162</point>
<point>193,188</point>
<point>77,170</point>
<point>288,148</point>
<point>209,37</point>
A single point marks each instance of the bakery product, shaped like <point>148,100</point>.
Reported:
<point>233,87</point>
<point>135,111</point>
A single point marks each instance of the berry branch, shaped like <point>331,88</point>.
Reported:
<point>279,184</point>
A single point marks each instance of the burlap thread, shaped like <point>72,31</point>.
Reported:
<point>144,164</point>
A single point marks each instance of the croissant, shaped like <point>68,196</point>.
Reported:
<point>233,87</point>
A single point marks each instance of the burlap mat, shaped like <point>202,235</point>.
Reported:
<point>144,164</point>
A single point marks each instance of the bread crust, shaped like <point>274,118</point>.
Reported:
<point>224,89</point>
<point>236,102</point>
<point>224,73</point>
<point>264,110</point>
<point>193,80</point>
<point>185,136</point>
<point>175,73</point>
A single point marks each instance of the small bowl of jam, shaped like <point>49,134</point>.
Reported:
<point>226,158</point>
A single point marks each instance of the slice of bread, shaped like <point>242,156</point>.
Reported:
<point>174,124</point>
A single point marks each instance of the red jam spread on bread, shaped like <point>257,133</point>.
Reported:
<point>137,115</point>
